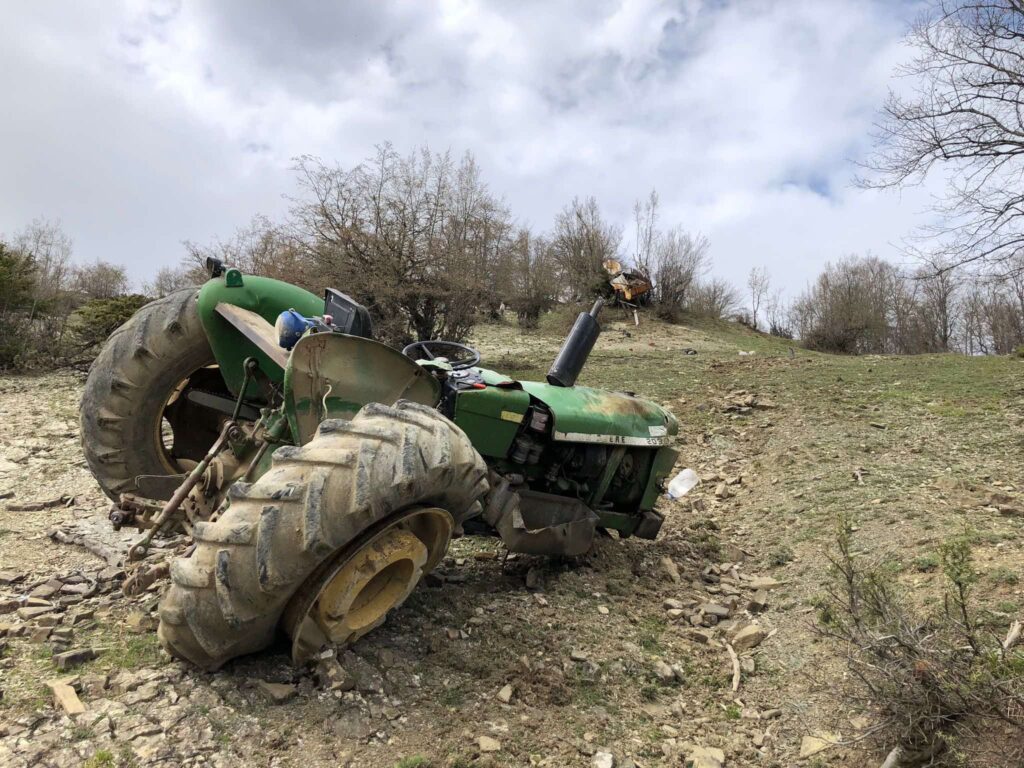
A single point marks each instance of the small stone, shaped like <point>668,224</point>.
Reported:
<point>706,757</point>
<point>818,742</point>
<point>487,744</point>
<point>576,654</point>
<point>138,622</point>
<point>771,714</point>
<point>277,693</point>
<point>748,637</point>
<point>664,672</point>
<point>675,613</point>
<point>10,577</point>
<point>671,604</point>
<point>701,636</point>
<point>40,634</point>
<point>505,694</point>
<point>65,697</point>
<point>670,570</point>
<point>61,634</point>
<point>764,582</point>
<point>82,616</point>
<point>716,610</point>
<point>603,610</point>
<point>722,491</point>
<point>679,673</point>
<point>758,602</point>
<point>31,612</point>
<point>352,725</point>
<point>535,579</point>
<point>110,573</point>
<point>333,675</point>
<point>73,658</point>
<point>603,760</point>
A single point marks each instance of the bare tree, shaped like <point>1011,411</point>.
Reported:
<point>679,261</point>
<point>170,279</point>
<point>758,283</point>
<point>582,240</point>
<point>714,298</point>
<point>100,280</point>
<point>415,237</point>
<point>645,219</point>
<point>963,115</point>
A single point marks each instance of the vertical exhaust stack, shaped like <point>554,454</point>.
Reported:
<point>574,352</point>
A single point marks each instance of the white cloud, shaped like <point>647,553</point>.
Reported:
<point>141,125</point>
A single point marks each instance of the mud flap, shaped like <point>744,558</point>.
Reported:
<point>542,523</point>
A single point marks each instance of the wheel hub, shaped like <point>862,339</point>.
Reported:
<point>352,594</point>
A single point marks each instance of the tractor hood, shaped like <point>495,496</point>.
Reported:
<point>587,415</point>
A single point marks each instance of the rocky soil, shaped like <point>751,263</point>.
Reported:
<point>697,649</point>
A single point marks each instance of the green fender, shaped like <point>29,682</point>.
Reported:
<point>263,295</point>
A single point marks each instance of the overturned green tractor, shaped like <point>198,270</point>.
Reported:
<point>320,474</point>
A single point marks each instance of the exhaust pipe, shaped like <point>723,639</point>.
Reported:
<point>573,355</point>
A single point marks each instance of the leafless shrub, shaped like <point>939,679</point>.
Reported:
<point>941,691</point>
<point>961,112</point>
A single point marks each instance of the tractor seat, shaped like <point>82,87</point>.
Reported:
<point>349,316</point>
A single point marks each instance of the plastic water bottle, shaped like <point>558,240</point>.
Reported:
<point>683,483</point>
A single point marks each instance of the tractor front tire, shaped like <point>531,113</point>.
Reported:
<point>128,388</point>
<point>227,598</point>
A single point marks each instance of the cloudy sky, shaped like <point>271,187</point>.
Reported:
<point>142,124</point>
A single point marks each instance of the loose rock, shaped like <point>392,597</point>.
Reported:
<point>749,637</point>
<point>277,693</point>
<point>670,570</point>
<point>487,744</point>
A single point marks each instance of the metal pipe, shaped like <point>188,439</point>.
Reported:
<point>139,549</point>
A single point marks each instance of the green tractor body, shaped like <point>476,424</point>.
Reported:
<point>363,433</point>
<point>591,430</point>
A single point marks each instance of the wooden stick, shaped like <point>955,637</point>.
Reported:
<point>1012,636</point>
<point>735,666</point>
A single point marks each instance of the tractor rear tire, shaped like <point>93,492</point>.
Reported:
<point>227,598</point>
<point>128,387</point>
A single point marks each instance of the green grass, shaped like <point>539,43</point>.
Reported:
<point>1004,576</point>
<point>416,761</point>
<point>103,758</point>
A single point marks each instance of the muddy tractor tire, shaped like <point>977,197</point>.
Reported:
<point>125,402</point>
<point>314,507</point>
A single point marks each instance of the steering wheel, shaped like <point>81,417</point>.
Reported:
<point>431,350</point>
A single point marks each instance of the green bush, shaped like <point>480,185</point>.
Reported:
<point>91,325</point>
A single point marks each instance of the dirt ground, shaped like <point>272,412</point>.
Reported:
<point>618,658</point>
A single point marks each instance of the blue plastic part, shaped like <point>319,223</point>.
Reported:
<point>290,326</point>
